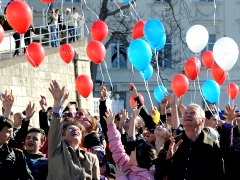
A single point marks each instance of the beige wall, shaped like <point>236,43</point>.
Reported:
<point>28,83</point>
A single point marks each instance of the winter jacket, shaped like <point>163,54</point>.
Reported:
<point>64,162</point>
<point>122,159</point>
<point>38,164</point>
<point>13,165</point>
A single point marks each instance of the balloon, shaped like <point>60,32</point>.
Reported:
<point>84,85</point>
<point>147,73</point>
<point>207,59</point>
<point>159,93</point>
<point>192,68</point>
<point>47,1</point>
<point>19,16</point>
<point>218,74</point>
<point>35,54</point>
<point>132,101</point>
<point>153,32</point>
<point>138,30</point>
<point>96,51</point>
<point>1,33</point>
<point>139,54</point>
<point>99,30</point>
<point>161,44</point>
<point>232,90</point>
<point>225,52</point>
<point>126,1</point>
<point>180,84</point>
<point>211,91</point>
<point>197,38</point>
<point>67,53</point>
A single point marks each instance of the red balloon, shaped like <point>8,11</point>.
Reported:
<point>192,68</point>
<point>132,101</point>
<point>208,59</point>
<point>99,30</point>
<point>232,90</point>
<point>66,52</point>
<point>96,51</point>
<point>218,74</point>
<point>1,33</point>
<point>84,85</point>
<point>35,54</point>
<point>47,1</point>
<point>138,29</point>
<point>180,84</point>
<point>19,16</point>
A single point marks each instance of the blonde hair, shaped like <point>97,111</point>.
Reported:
<point>202,113</point>
<point>68,10</point>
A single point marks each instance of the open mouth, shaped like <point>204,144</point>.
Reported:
<point>75,134</point>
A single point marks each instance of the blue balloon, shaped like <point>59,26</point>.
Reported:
<point>147,73</point>
<point>126,1</point>
<point>161,44</point>
<point>139,54</point>
<point>159,93</point>
<point>211,91</point>
<point>153,32</point>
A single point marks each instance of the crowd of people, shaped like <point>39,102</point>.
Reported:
<point>59,26</point>
<point>73,144</point>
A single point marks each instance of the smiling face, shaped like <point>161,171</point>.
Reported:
<point>193,117</point>
<point>33,142</point>
<point>5,135</point>
<point>72,135</point>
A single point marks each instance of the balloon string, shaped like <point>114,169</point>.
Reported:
<point>66,70</point>
<point>47,13</point>
<point>101,73</point>
<point>228,87</point>
<point>133,74</point>
<point>158,76</point>
<point>121,12</point>
<point>90,9</point>
<point>83,18</point>
<point>207,73</point>
<point>206,104</point>
<point>191,85</point>
<point>62,14</point>
<point>147,88</point>
<point>195,91</point>
<point>214,14</point>
<point>134,12</point>
<point>108,75</point>
<point>217,110</point>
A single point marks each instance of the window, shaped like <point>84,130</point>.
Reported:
<point>118,55</point>
<point>211,41</point>
<point>74,1</point>
<point>165,55</point>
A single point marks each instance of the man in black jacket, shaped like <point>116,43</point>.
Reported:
<point>12,161</point>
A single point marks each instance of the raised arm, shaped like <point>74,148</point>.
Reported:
<point>43,117</point>
<point>55,130</point>
<point>103,108</point>
<point>147,118</point>
<point>8,103</point>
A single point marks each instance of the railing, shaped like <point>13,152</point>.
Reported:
<point>42,35</point>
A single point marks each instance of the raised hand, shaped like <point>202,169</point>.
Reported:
<point>230,114</point>
<point>109,117</point>
<point>56,92</point>
<point>103,92</point>
<point>133,90</point>
<point>65,96</point>
<point>30,110</point>
<point>172,148</point>
<point>119,172</point>
<point>123,115</point>
<point>8,100</point>
<point>136,110</point>
<point>171,99</point>
<point>43,104</point>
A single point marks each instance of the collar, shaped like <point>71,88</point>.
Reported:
<point>203,137</point>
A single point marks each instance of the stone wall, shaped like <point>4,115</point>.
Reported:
<point>28,83</point>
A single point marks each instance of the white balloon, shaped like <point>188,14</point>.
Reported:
<point>225,52</point>
<point>197,38</point>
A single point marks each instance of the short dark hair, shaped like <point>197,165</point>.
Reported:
<point>5,122</point>
<point>209,114</point>
<point>38,130</point>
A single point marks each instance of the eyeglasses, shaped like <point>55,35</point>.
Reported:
<point>82,119</point>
